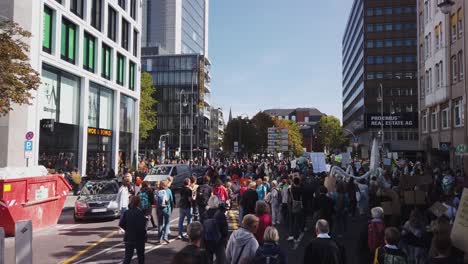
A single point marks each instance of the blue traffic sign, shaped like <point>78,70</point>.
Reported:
<point>28,145</point>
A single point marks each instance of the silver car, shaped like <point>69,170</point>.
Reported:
<point>179,172</point>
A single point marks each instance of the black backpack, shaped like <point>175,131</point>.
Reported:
<point>203,195</point>
<point>268,259</point>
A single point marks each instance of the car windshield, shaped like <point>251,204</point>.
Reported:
<point>163,170</point>
<point>93,188</point>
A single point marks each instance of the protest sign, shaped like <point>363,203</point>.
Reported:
<point>318,161</point>
<point>460,226</point>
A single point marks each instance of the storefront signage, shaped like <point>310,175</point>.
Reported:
<point>406,120</point>
<point>99,132</point>
<point>444,146</point>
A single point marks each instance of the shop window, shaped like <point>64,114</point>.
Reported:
<point>89,52</point>
<point>96,14</point>
<point>124,34</point>
<point>76,6</point>
<point>68,41</point>
<point>48,21</point>
<point>106,55</point>
<point>120,68</point>
<point>59,114</point>
<point>112,24</point>
<point>131,76</point>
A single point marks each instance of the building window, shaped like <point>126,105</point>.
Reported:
<point>112,24</point>
<point>89,45</point>
<point>378,27</point>
<point>460,23</point>
<point>441,74</point>
<point>454,69</point>
<point>378,59</point>
<point>106,56</point>
<point>453,26</point>
<point>68,41</point>
<point>370,28</point>
<point>399,59</point>
<point>388,27</point>
<point>379,75</point>
<point>76,6</point>
<point>430,80</point>
<point>370,76</point>
<point>122,4</point>
<point>437,80</point>
<point>133,9</point>
<point>124,36</point>
<point>388,43</point>
<point>421,87</point>
<point>461,66</point>
<point>120,68</point>
<point>437,41</point>
<point>398,27</point>
<point>379,43</point>
<point>445,118</point>
<point>131,76</point>
<point>434,121</point>
<point>370,59</point>
<point>135,43</point>
<point>48,21</point>
<point>388,59</point>
<point>378,11</point>
<point>96,14</point>
<point>370,12</point>
<point>370,44</point>
<point>388,11</point>
<point>458,113</point>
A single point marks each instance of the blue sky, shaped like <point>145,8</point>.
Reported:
<point>276,54</point>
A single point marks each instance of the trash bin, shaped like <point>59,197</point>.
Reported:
<point>39,199</point>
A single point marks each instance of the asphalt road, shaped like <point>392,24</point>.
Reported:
<point>100,242</point>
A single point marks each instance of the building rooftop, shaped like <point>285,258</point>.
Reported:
<point>285,112</point>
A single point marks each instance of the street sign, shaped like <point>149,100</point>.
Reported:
<point>355,139</point>
<point>29,135</point>
<point>28,145</point>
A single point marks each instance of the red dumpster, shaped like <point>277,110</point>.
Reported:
<point>39,199</point>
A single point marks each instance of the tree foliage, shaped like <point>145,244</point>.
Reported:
<point>147,105</point>
<point>243,131</point>
<point>17,77</point>
<point>262,121</point>
<point>330,133</point>
<point>294,134</point>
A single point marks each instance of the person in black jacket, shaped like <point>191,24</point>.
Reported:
<point>324,206</point>
<point>249,199</point>
<point>324,249</point>
<point>216,230</point>
<point>146,187</point>
<point>133,221</point>
<point>185,207</point>
<point>192,253</point>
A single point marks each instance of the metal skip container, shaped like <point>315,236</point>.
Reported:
<point>36,198</point>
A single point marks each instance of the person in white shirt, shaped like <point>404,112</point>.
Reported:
<point>123,196</point>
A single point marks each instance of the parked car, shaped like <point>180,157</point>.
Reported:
<point>199,172</point>
<point>97,200</point>
<point>178,171</point>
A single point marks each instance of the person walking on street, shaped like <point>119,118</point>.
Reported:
<point>242,243</point>
<point>295,205</point>
<point>185,207</point>
<point>261,211</point>
<point>215,230</point>
<point>341,201</point>
<point>203,195</point>
<point>193,253</point>
<point>220,191</point>
<point>123,194</point>
<point>270,251</point>
<point>324,249</point>
<point>260,189</point>
<point>164,205</point>
<point>274,199</point>
<point>249,199</point>
<point>390,253</point>
<point>284,209</point>
<point>323,206</point>
<point>194,187</point>
<point>133,221</point>
<point>146,195</point>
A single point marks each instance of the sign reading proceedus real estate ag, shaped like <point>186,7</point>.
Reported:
<point>404,120</point>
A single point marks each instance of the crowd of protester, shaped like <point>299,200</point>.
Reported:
<point>271,193</point>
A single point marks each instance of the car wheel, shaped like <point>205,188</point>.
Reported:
<point>77,220</point>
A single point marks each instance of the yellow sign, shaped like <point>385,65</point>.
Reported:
<point>7,188</point>
<point>100,132</point>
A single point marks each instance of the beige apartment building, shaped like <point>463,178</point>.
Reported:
<point>442,82</point>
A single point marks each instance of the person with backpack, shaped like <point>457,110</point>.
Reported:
<point>390,253</point>
<point>296,207</point>
<point>185,207</point>
<point>248,200</point>
<point>164,205</point>
<point>215,228</point>
<point>341,200</point>
<point>203,195</point>
<point>270,252</point>
<point>376,230</point>
<point>146,195</point>
<point>242,243</point>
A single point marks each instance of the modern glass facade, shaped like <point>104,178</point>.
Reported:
<point>193,26</point>
<point>380,50</point>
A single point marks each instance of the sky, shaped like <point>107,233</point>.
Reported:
<point>276,54</point>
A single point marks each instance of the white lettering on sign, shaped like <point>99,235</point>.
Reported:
<point>42,193</point>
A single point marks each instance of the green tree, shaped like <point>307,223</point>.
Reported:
<point>294,135</point>
<point>147,105</point>
<point>243,131</point>
<point>262,121</point>
<point>17,77</point>
<point>330,133</point>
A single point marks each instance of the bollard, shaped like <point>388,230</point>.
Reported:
<point>23,242</point>
<point>2,246</point>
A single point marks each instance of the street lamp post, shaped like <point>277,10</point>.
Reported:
<point>182,92</point>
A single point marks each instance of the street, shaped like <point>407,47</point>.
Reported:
<point>100,242</point>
